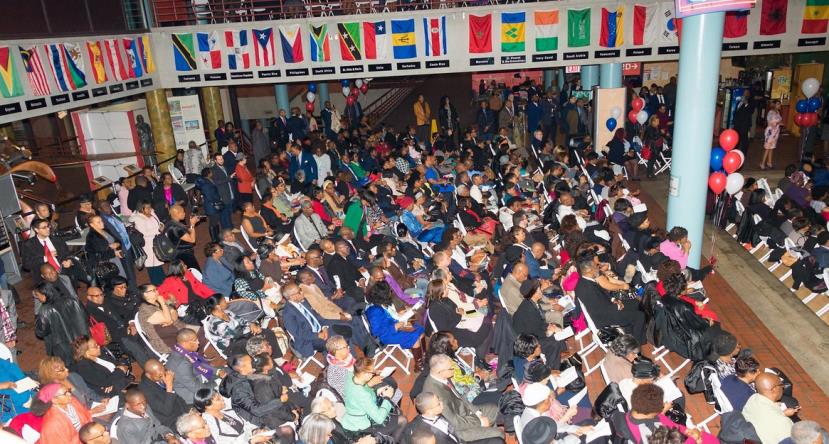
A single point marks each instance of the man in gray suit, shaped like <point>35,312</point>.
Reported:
<point>138,424</point>
<point>470,422</point>
<point>192,370</point>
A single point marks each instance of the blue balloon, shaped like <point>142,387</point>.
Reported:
<point>802,106</point>
<point>717,155</point>
<point>611,124</point>
<point>814,104</point>
<point>312,87</point>
<point>345,82</point>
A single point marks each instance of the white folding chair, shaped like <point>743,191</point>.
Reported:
<point>386,352</point>
<point>256,190</point>
<point>722,405</point>
<point>468,351</point>
<point>659,354</point>
<point>211,340</point>
<point>305,360</point>
<point>665,164</point>
<point>143,336</point>
<point>594,345</point>
<point>519,429</point>
<point>247,238</point>
<point>602,369</point>
<point>202,11</point>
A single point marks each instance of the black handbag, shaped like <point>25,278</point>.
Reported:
<point>610,332</point>
<point>104,271</point>
<point>677,414</point>
<point>136,238</point>
<point>608,401</point>
<point>574,361</point>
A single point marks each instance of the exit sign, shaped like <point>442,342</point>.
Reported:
<point>631,69</point>
<point>572,69</point>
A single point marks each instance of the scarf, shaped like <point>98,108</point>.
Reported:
<point>200,365</point>
<point>348,363</point>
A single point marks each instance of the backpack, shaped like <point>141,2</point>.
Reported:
<point>164,248</point>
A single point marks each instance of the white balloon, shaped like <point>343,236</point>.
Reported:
<point>742,157</point>
<point>642,117</point>
<point>346,91</point>
<point>810,87</point>
<point>358,83</point>
<point>310,96</point>
<point>616,112</point>
<point>734,183</point>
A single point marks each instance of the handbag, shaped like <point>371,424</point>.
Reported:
<point>99,332</point>
<point>610,332</point>
<point>136,238</point>
<point>574,361</point>
<point>677,414</point>
<point>104,271</point>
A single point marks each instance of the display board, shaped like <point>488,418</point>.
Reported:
<point>185,114</point>
<point>605,100</point>
<point>109,141</point>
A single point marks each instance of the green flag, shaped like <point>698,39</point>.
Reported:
<point>10,85</point>
<point>578,27</point>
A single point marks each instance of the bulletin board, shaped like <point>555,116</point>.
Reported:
<point>185,115</point>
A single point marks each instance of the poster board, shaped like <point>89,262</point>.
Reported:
<point>604,100</point>
<point>781,85</point>
<point>108,141</point>
<point>185,115</point>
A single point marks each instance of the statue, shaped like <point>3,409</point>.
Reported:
<point>145,138</point>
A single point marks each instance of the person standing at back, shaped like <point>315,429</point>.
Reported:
<point>423,115</point>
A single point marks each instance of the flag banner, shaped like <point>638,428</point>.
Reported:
<point>480,33</point>
<point>375,40</point>
<point>773,17</point>
<point>10,85</point>
<point>815,17</point>
<point>116,63</point>
<point>546,30</point>
<point>350,44</point>
<point>513,31</point>
<point>403,39</point>
<point>68,75</point>
<point>434,30</point>
<point>34,71</point>
<point>665,25</point>
<point>145,53</point>
<point>264,49</point>
<point>736,24</point>
<point>291,40</point>
<point>578,27</point>
<point>210,55</point>
<point>238,49</point>
<point>613,28</point>
<point>320,49</point>
<point>184,53</point>
<point>96,57</point>
<point>133,59</point>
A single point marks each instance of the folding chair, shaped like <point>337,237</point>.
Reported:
<point>602,369</point>
<point>721,404</point>
<point>256,190</point>
<point>211,340</point>
<point>305,360</point>
<point>660,353</point>
<point>386,352</point>
<point>519,429</point>
<point>665,164</point>
<point>202,11</point>
<point>143,336</point>
<point>594,345</point>
<point>469,351</point>
<point>741,210</point>
<point>247,238</point>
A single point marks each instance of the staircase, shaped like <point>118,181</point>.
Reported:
<point>390,101</point>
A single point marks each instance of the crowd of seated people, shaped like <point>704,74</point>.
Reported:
<point>374,259</point>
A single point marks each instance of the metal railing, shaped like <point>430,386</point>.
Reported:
<point>194,12</point>
<point>386,103</point>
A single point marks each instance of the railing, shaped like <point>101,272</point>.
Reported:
<point>134,15</point>
<point>193,12</point>
<point>386,103</point>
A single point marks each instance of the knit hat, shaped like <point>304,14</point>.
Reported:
<point>541,430</point>
<point>535,394</point>
<point>48,392</point>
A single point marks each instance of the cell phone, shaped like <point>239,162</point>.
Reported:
<point>469,312</point>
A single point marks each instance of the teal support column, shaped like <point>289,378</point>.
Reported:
<point>282,99</point>
<point>560,78</point>
<point>548,78</point>
<point>696,99</point>
<point>610,75</point>
<point>589,76</point>
<point>322,93</point>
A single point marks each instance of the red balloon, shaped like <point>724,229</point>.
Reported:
<point>717,181</point>
<point>732,162</point>
<point>309,106</point>
<point>798,119</point>
<point>364,88</point>
<point>809,119</point>
<point>632,116</point>
<point>350,100</point>
<point>729,139</point>
<point>637,104</point>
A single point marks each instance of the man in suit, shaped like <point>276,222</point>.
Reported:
<point>432,423</point>
<point>62,283</point>
<point>157,385</point>
<point>297,126</point>
<point>314,264</point>
<point>308,329</point>
<point>606,311</point>
<point>192,370</point>
<point>43,248</point>
<point>220,135</point>
<point>356,247</point>
<point>138,423</point>
<point>470,422</point>
<point>302,160</point>
<point>345,273</point>
<point>281,129</point>
<point>308,226</point>
<point>742,121</point>
<point>223,179</point>
<point>230,156</point>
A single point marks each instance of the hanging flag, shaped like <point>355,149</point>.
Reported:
<point>10,85</point>
<point>815,17</point>
<point>133,59</point>
<point>403,39</point>
<point>350,44</point>
<point>116,63</point>
<point>434,29</point>
<point>34,71</point>
<point>546,30</point>
<point>513,31</point>
<point>480,33</point>
<point>68,74</point>
<point>613,29</point>
<point>661,25</point>
<point>210,55</point>
<point>773,17</point>
<point>736,24</point>
<point>184,52</point>
<point>578,27</point>
<point>238,50</point>
<point>264,51</point>
<point>291,41</point>
<point>145,54</point>
<point>96,56</point>
<point>643,18</point>
<point>375,40</point>
<point>320,49</point>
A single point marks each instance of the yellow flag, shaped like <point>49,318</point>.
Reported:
<point>97,59</point>
<point>147,56</point>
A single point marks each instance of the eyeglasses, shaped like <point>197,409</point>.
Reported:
<point>67,392</point>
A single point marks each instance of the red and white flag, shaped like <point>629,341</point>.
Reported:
<point>34,71</point>
<point>264,51</point>
<point>238,50</point>
<point>116,63</point>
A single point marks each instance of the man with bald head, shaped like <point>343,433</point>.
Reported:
<point>94,433</point>
<point>183,237</point>
<point>763,410</point>
<point>157,384</point>
<point>308,329</point>
<point>510,288</point>
<point>139,424</point>
<point>193,371</point>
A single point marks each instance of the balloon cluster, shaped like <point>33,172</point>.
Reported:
<point>726,160</point>
<point>807,108</point>
<point>360,86</point>
<point>310,97</point>
<point>637,113</point>
<point>615,113</point>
